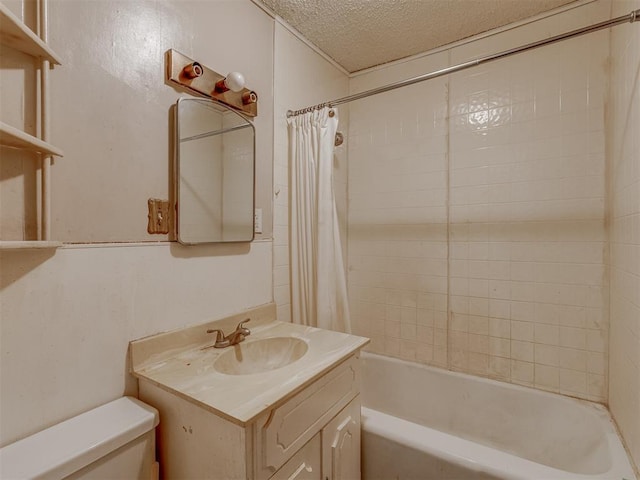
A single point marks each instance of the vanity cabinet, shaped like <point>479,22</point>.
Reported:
<point>282,404</point>
<point>311,434</point>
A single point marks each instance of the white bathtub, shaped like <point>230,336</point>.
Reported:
<point>426,423</point>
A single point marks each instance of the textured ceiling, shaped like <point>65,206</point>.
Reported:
<point>359,34</point>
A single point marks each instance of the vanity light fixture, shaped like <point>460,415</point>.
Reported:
<point>202,81</point>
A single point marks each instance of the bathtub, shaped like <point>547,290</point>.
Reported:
<point>422,423</point>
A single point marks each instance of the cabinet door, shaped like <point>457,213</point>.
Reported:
<point>304,465</point>
<point>284,430</point>
<point>341,444</point>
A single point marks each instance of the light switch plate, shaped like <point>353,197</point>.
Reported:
<point>158,216</point>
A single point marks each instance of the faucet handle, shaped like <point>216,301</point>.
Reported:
<point>244,330</point>
<point>219,333</point>
<point>220,338</point>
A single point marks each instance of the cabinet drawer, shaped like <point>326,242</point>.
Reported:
<point>285,429</point>
<point>304,465</point>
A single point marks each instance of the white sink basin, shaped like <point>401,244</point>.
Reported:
<point>260,355</point>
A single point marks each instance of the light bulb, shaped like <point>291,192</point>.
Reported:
<point>234,81</point>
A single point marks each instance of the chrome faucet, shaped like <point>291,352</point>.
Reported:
<point>235,337</point>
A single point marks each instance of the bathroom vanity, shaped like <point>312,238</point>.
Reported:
<point>282,404</point>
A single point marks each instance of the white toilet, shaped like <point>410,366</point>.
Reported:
<point>115,441</point>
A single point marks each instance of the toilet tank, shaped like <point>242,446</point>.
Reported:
<point>115,441</point>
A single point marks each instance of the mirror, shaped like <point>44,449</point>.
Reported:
<point>214,173</point>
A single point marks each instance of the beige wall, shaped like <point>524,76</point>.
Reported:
<point>111,109</point>
<point>67,318</point>
<point>68,315</point>
<point>302,78</point>
<point>476,210</point>
<point>623,125</point>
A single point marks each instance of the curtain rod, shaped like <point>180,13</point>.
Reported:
<point>634,16</point>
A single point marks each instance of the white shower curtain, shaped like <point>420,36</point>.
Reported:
<point>318,284</point>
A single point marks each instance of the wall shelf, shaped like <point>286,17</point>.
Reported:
<point>26,244</point>
<point>13,137</point>
<point>16,34</point>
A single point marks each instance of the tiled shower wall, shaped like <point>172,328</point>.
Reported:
<point>623,122</point>
<point>398,214</point>
<point>476,210</point>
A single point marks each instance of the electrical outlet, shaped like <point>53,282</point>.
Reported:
<point>257,221</point>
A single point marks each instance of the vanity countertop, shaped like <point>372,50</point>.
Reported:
<point>182,362</point>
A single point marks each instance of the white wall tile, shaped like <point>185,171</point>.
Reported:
<point>624,159</point>
<point>523,213</point>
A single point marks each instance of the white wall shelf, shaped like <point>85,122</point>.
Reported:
<point>13,137</point>
<point>16,34</point>
<point>26,244</point>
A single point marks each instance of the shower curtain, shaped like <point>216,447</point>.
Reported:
<point>318,284</point>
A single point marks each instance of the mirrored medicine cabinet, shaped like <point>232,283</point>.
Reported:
<point>214,173</point>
